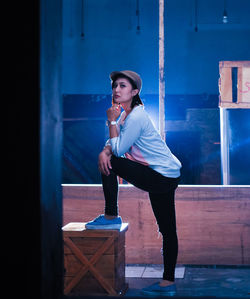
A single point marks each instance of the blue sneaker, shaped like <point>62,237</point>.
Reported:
<point>101,222</point>
<point>156,290</point>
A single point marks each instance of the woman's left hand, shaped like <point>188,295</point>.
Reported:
<point>114,112</point>
<point>104,163</point>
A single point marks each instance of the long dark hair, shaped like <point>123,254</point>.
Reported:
<point>136,101</point>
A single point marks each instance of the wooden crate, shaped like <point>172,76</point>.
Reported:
<point>94,260</point>
<point>234,84</point>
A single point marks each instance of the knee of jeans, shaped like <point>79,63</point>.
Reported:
<point>113,159</point>
<point>168,234</point>
<point>114,162</point>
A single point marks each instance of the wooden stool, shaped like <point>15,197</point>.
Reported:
<point>94,260</point>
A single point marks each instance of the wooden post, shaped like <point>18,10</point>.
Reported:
<point>161,71</point>
<point>224,137</point>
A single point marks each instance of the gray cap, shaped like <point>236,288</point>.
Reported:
<point>130,74</point>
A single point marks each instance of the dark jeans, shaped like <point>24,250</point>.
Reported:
<point>161,191</point>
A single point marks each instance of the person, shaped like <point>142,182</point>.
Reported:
<point>136,152</point>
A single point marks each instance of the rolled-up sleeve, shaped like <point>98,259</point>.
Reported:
<point>129,133</point>
<point>108,142</point>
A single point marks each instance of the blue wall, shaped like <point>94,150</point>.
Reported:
<point>192,58</point>
<point>111,43</point>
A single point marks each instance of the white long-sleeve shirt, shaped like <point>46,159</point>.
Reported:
<point>139,141</point>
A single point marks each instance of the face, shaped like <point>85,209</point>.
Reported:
<point>123,91</point>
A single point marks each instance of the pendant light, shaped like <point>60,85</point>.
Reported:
<point>225,18</point>
<point>138,28</point>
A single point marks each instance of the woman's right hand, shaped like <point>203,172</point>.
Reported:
<point>104,163</point>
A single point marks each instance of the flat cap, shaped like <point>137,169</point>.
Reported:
<point>131,75</point>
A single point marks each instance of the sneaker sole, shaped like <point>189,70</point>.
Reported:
<point>111,226</point>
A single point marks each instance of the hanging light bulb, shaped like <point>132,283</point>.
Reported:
<point>82,20</point>
<point>196,15</point>
<point>138,27</point>
<point>225,18</point>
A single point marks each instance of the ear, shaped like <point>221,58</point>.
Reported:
<point>135,92</point>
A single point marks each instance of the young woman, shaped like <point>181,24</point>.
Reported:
<point>136,153</point>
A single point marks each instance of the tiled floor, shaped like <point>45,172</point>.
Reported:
<point>198,281</point>
<point>208,282</point>
<point>150,271</point>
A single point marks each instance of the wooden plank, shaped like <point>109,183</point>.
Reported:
<point>88,286</point>
<point>225,85</point>
<point>105,264</point>
<point>74,226</point>
<point>230,105</point>
<point>75,280</point>
<point>90,245</point>
<point>244,85</point>
<point>213,222</point>
<point>242,63</point>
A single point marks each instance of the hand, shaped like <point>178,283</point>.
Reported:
<point>114,112</point>
<point>104,163</point>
